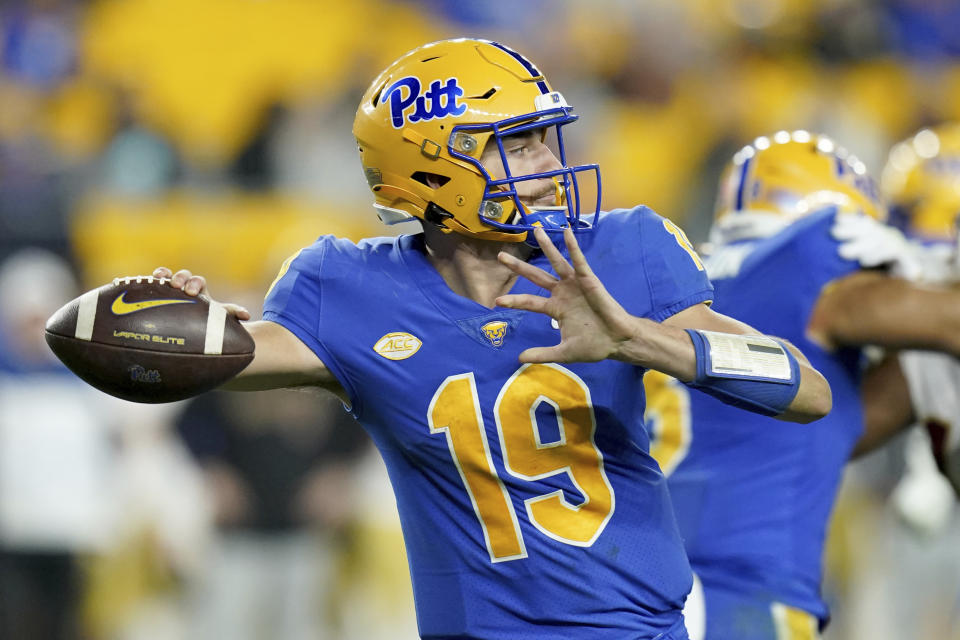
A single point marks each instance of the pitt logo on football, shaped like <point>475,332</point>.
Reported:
<point>495,332</point>
<point>439,101</point>
<point>397,345</point>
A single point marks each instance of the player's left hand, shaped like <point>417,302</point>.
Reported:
<point>592,323</point>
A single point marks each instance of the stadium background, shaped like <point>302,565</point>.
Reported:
<point>215,134</point>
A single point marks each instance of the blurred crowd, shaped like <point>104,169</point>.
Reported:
<point>215,135</point>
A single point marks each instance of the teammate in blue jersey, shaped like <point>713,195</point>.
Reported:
<point>795,227</point>
<point>530,505</point>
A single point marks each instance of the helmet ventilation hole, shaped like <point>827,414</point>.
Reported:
<point>421,177</point>
<point>376,96</point>
<point>486,96</point>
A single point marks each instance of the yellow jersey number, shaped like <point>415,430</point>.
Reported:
<point>455,411</point>
<point>684,243</point>
<point>668,418</point>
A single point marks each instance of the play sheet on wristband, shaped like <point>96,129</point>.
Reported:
<point>735,356</point>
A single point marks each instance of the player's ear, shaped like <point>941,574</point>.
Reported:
<point>433,180</point>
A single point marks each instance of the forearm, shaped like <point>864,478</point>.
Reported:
<point>281,360</point>
<point>265,379</point>
<point>659,347</point>
<point>814,398</point>
<point>871,308</point>
<point>669,349</point>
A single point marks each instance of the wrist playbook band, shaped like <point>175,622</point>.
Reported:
<point>751,372</point>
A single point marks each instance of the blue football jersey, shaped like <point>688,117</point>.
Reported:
<point>753,495</point>
<point>530,505</point>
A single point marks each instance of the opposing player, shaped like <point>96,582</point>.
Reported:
<point>529,503</point>
<point>796,221</point>
<point>921,180</point>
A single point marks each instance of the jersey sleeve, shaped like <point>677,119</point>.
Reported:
<point>295,302</point>
<point>673,270</point>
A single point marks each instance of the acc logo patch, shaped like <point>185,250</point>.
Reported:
<point>495,332</point>
<point>439,101</point>
<point>397,345</point>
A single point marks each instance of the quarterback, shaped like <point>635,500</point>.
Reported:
<point>498,372</point>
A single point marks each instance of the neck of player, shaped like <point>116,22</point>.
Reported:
<point>469,266</point>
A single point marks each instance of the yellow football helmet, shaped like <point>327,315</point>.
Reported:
<point>921,180</point>
<point>780,178</point>
<point>424,122</point>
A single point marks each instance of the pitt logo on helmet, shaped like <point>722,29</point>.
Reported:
<point>495,332</point>
<point>439,101</point>
<point>397,345</point>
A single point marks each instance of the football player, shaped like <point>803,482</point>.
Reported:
<point>530,505</point>
<point>796,225</point>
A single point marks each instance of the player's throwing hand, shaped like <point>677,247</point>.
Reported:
<point>196,286</point>
<point>592,323</point>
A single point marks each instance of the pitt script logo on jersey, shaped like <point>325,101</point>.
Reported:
<point>495,332</point>
<point>438,101</point>
<point>397,345</point>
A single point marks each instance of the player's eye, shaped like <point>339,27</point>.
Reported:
<point>520,146</point>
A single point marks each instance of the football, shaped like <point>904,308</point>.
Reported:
<point>140,339</point>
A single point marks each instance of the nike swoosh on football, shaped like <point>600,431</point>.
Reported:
<point>121,307</point>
